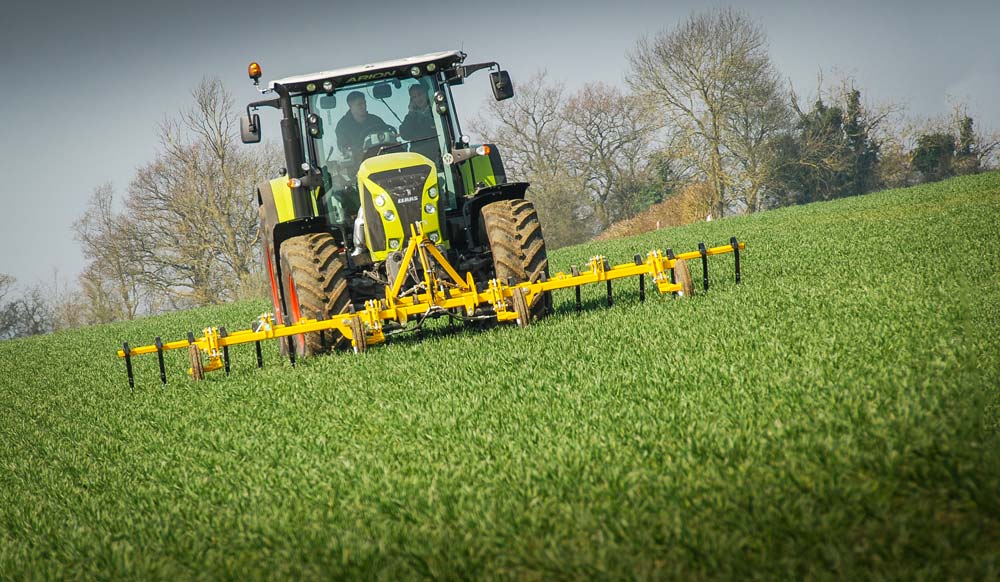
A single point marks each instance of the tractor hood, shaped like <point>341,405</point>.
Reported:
<point>382,70</point>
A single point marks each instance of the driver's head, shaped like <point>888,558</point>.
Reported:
<point>418,96</point>
<point>359,108</point>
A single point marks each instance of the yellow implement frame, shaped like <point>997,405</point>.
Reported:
<point>510,301</point>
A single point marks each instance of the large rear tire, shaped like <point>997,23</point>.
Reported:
<point>518,247</point>
<point>314,277</point>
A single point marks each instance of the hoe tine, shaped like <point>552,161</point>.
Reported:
<point>671,256</point>
<point>642,279</point>
<point>260,356</point>
<point>128,366</point>
<point>225,349</point>
<point>576,273</point>
<point>159,357</point>
<point>704,263</point>
<point>736,255</point>
<point>291,351</point>
<point>607,267</point>
<point>322,333</point>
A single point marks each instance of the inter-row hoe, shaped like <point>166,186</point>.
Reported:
<point>386,215</point>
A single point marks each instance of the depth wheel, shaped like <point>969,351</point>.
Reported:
<point>521,308</point>
<point>197,367</point>
<point>358,331</point>
<point>314,278</point>
<point>518,247</point>
<point>682,275</point>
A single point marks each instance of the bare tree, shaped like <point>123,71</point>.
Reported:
<point>112,279</point>
<point>610,138</point>
<point>702,74</point>
<point>530,131</point>
<point>195,224</point>
<point>29,314</point>
<point>759,114</point>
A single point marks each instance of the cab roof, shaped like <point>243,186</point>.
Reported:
<point>350,75</point>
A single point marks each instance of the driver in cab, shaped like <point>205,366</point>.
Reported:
<point>357,124</point>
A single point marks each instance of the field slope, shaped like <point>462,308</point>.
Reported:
<point>834,416</point>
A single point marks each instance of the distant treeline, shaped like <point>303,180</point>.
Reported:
<point>704,117</point>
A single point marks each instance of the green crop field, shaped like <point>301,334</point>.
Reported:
<point>834,416</point>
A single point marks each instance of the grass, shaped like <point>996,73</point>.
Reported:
<point>836,416</point>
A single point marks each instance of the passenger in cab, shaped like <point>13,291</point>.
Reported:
<point>418,125</point>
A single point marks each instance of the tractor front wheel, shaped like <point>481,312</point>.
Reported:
<point>314,279</point>
<point>518,247</point>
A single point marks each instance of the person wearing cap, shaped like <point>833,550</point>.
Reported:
<point>356,124</point>
<point>418,125</point>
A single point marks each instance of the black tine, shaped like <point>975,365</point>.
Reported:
<point>704,263</point>
<point>610,301</point>
<point>576,273</point>
<point>291,350</point>
<point>260,356</point>
<point>511,282</point>
<point>190,337</point>
<point>672,256</point>
<point>225,349</point>
<point>128,366</point>
<point>159,357</point>
<point>322,333</point>
<point>736,255</point>
<point>642,288</point>
<point>637,259</point>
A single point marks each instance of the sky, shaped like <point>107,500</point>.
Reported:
<point>86,84</point>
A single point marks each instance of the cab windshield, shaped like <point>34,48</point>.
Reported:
<point>365,120</point>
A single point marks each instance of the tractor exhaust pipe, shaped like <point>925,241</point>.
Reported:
<point>294,157</point>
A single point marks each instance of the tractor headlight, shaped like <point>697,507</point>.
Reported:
<point>389,215</point>
<point>431,67</point>
<point>311,87</point>
<point>380,200</point>
<point>429,208</point>
<point>434,237</point>
<point>393,243</point>
<point>328,86</point>
<point>432,193</point>
<point>415,71</point>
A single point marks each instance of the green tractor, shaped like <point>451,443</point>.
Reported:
<point>373,155</point>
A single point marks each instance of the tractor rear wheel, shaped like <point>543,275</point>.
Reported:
<point>314,279</point>
<point>518,247</point>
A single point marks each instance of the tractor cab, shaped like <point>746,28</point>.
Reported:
<point>344,138</point>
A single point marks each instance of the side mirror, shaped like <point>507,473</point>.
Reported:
<point>250,128</point>
<point>382,91</point>
<point>502,87</point>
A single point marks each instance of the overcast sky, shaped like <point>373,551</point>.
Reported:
<point>86,83</point>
